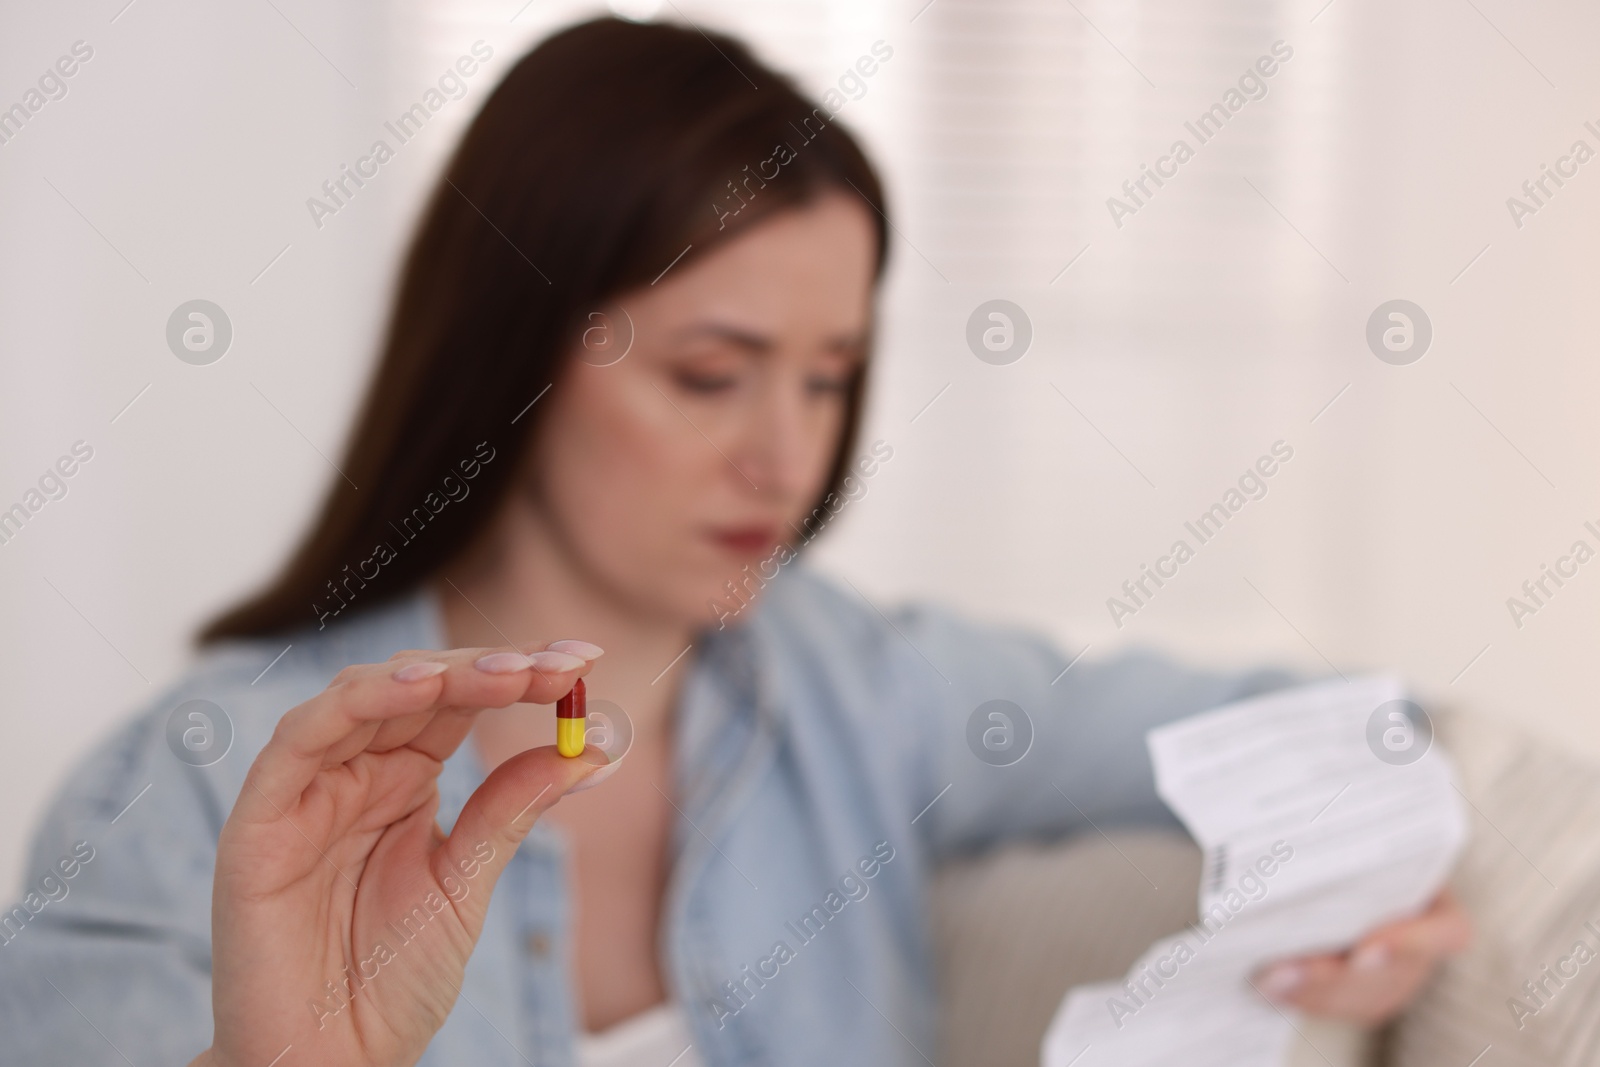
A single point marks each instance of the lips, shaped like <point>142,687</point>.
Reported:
<point>746,540</point>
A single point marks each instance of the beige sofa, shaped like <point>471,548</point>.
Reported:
<point>1016,928</point>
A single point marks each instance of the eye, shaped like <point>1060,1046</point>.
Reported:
<point>833,376</point>
<point>828,384</point>
<point>704,383</point>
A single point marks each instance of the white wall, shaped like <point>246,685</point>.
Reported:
<point>1205,328</point>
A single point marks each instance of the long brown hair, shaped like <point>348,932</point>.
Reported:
<point>606,152</point>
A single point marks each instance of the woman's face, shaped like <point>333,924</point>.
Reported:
<point>663,475</point>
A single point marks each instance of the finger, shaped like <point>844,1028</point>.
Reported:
<point>1443,930</point>
<point>1340,990</point>
<point>1288,980</point>
<point>1407,949</point>
<point>1380,975</point>
<point>553,674</point>
<point>498,815</point>
<point>344,719</point>
<point>543,674</point>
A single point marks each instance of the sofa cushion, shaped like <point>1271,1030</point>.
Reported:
<point>1531,880</point>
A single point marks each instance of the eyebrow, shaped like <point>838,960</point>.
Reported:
<point>755,343</point>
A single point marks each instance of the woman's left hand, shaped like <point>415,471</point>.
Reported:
<point>1380,976</point>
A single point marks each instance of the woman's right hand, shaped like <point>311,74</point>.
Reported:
<point>341,916</point>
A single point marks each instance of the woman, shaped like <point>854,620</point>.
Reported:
<point>619,389</point>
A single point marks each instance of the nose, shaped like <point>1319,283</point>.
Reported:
<point>778,443</point>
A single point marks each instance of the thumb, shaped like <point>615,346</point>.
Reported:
<point>498,815</point>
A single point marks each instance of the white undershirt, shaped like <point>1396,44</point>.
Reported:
<point>656,1037</point>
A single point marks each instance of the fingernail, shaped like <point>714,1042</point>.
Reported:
<point>503,663</point>
<point>556,662</point>
<point>1282,980</point>
<point>594,778</point>
<point>416,672</point>
<point>578,648</point>
<point>1371,958</point>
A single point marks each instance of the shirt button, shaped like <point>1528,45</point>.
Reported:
<point>538,944</point>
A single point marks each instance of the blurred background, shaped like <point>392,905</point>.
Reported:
<point>1174,339</point>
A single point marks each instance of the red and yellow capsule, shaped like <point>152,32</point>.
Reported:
<point>571,721</point>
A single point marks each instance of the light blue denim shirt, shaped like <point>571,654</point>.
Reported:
<point>824,762</point>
